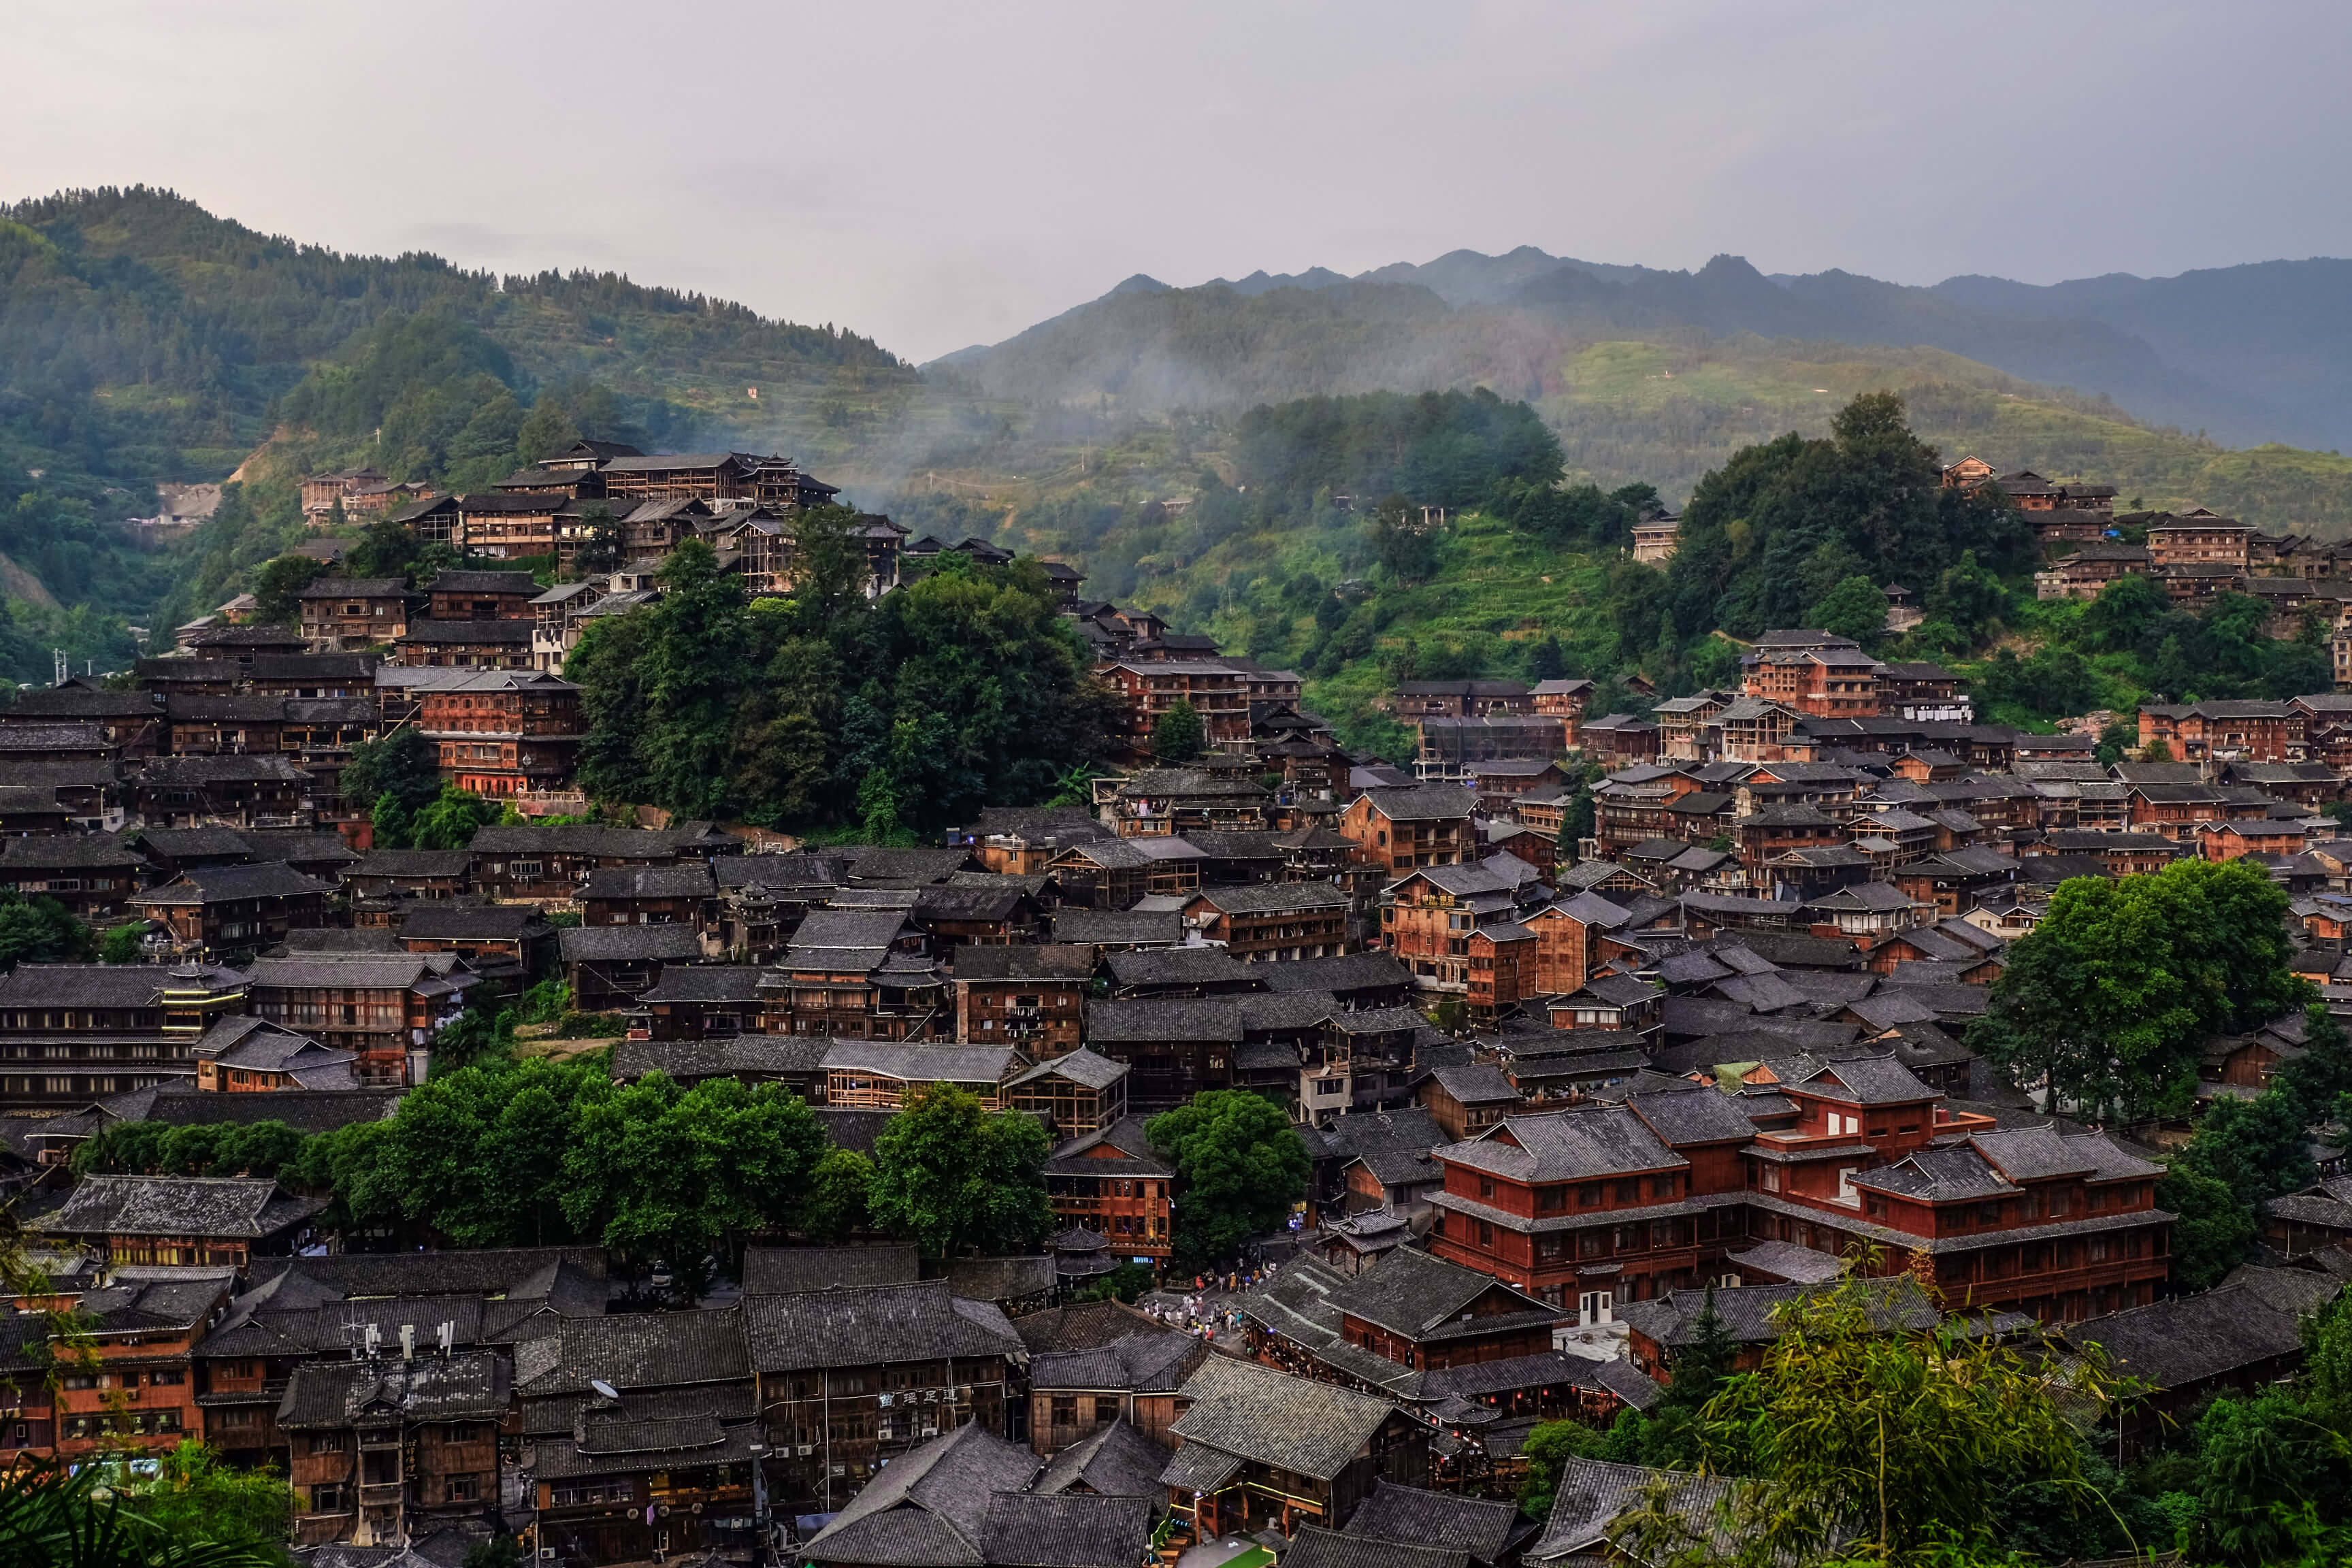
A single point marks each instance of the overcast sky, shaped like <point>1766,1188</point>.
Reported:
<point>945,174</point>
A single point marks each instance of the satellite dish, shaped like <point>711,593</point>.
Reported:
<point>606,1389</point>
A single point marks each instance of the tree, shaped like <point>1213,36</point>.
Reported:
<point>40,931</point>
<point>1402,544</point>
<point>657,1170</point>
<point>1854,608</point>
<point>2215,1231</point>
<point>840,1196</point>
<point>78,1515</point>
<point>2111,996</point>
<point>1904,1439</point>
<point>275,586</point>
<point>124,943</point>
<point>404,766</point>
<point>452,819</point>
<point>601,550</point>
<point>1239,1168</point>
<point>195,1494</point>
<point>954,1177</point>
<point>1176,735</point>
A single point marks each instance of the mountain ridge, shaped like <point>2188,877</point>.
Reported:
<point>2260,352</point>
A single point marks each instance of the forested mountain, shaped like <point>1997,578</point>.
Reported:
<point>144,340</point>
<point>2252,353</point>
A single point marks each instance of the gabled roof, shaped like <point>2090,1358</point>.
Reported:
<point>884,1323</point>
<point>1255,1413</point>
<point>249,1208</point>
<point>928,1508</point>
<point>1565,1146</point>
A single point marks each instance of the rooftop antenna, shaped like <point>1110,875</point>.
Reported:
<point>604,1390</point>
<point>65,668</point>
<point>375,1339</point>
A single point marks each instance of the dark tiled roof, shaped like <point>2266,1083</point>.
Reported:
<point>474,1387</point>
<point>588,944</point>
<point>1313,1548</point>
<point>229,884</point>
<point>245,1206</point>
<point>644,1350</point>
<point>1116,1461</point>
<point>781,1270</point>
<point>1148,1360</point>
<point>928,1508</point>
<point>1179,966</point>
<point>1049,961</point>
<point>1256,1413</point>
<point>884,1323</point>
<point>1109,926</point>
<point>1414,1517</point>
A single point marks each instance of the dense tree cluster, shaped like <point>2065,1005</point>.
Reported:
<point>893,715</point>
<point>1239,1165</point>
<point>1448,448</point>
<point>2110,999</point>
<point>501,1152</point>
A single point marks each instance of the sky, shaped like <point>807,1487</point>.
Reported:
<point>939,175</point>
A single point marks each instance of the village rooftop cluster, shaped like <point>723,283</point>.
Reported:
<point>1714,1041</point>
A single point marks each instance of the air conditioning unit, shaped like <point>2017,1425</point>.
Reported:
<point>930,1431</point>
<point>885,1401</point>
<point>805,1449</point>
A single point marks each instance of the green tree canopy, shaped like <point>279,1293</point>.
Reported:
<point>1854,608</point>
<point>964,689</point>
<point>1176,735</point>
<point>655,1169</point>
<point>2111,996</point>
<point>1239,1168</point>
<point>953,1177</point>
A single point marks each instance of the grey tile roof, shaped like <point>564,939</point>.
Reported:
<point>245,1206</point>
<point>644,1349</point>
<point>755,1055</point>
<point>1592,1495</point>
<point>2188,1340</point>
<point>1107,926</point>
<point>1047,960</point>
<point>1568,1145</point>
<point>916,1063</point>
<point>1256,1413</point>
<point>1342,975</point>
<point>781,1270</point>
<point>1116,1461</point>
<point>672,881</point>
<point>592,944</point>
<point>928,1509</point>
<point>1081,1066</point>
<point>1414,1517</point>
<point>877,1324</point>
<point>1146,1361</point>
<point>1170,1018</point>
<point>1180,966</point>
<point>325,1394</point>
<point>228,884</point>
<point>1695,1115</point>
<point>1317,1548</point>
<point>1069,1530</point>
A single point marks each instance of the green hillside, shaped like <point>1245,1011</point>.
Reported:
<point>143,340</point>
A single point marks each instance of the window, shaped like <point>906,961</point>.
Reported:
<point>1106,1408</point>
<point>1485,1187</point>
<point>1588,1195</point>
<point>1630,1192</point>
<point>330,1496</point>
<point>1065,1409</point>
<point>326,1442</point>
<point>167,1378</point>
<point>464,1488</point>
